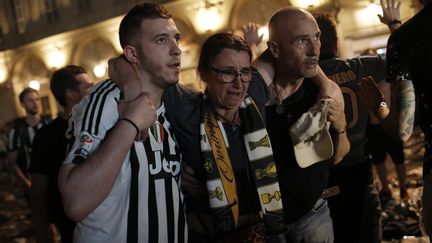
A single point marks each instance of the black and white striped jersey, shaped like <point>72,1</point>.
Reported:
<point>145,203</point>
<point>21,138</point>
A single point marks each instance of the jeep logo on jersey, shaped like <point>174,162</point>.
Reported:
<point>172,167</point>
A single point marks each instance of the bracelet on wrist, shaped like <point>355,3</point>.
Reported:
<point>382,104</point>
<point>130,122</point>
<point>394,21</point>
<point>336,131</point>
<point>339,132</point>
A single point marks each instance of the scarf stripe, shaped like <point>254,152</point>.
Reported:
<point>220,176</point>
<point>227,184</point>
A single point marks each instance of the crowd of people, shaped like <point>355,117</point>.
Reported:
<point>272,150</point>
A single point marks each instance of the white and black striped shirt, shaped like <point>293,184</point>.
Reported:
<point>21,138</point>
<point>145,203</point>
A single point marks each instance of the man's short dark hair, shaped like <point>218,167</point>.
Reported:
<point>329,37</point>
<point>130,25</point>
<point>26,91</point>
<point>64,79</point>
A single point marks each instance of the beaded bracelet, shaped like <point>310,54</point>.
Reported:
<point>394,21</point>
<point>130,122</point>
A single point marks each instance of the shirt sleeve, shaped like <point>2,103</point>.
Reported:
<point>14,141</point>
<point>259,91</point>
<point>90,122</point>
<point>374,66</point>
<point>397,69</point>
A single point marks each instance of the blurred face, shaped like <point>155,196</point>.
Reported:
<point>31,103</point>
<point>299,46</point>
<point>83,87</point>
<point>229,65</point>
<point>159,51</point>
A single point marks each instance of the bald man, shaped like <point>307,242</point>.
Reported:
<point>293,51</point>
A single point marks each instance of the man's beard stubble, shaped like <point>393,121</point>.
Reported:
<point>154,72</point>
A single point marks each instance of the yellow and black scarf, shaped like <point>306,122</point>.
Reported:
<point>221,184</point>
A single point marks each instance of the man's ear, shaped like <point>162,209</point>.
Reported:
<point>130,54</point>
<point>274,48</point>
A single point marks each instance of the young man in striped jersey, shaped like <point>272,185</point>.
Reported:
<point>118,186</point>
<point>23,132</point>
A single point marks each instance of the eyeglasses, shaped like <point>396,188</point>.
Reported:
<point>229,75</point>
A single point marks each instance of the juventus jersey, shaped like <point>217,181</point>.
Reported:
<point>21,138</point>
<point>145,203</point>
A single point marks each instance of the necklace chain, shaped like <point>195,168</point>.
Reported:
<point>234,120</point>
<point>278,97</point>
<point>280,109</point>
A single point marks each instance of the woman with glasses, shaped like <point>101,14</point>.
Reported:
<point>222,137</point>
<point>230,150</point>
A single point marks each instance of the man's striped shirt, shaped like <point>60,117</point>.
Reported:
<point>145,203</point>
<point>21,138</point>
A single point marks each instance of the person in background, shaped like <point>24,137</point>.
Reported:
<point>353,176</point>
<point>121,178</point>
<point>408,70</point>
<point>23,132</point>
<point>68,85</point>
<point>380,144</point>
<point>3,147</point>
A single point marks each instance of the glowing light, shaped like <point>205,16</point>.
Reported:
<point>368,15</point>
<point>263,31</point>
<point>56,59</point>
<point>34,84</point>
<point>208,19</point>
<point>305,3</point>
<point>3,75</point>
<point>99,70</point>
<point>382,50</point>
<point>310,2</point>
<point>374,9</point>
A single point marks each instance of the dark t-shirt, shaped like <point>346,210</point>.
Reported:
<point>409,56</point>
<point>184,111</point>
<point>347,73</point>
<point>48,154</point>
<point>300,187</point>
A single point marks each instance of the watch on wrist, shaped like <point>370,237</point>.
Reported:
<point>382,104</point>
<point>394,21</point>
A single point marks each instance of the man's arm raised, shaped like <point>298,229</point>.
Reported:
<point>398,121</point>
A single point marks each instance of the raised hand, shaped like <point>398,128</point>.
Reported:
<point>372,96</point>
<point>250,33</point>
<point>252,38</point>
<point>391,11</point>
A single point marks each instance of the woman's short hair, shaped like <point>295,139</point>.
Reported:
<point>215,44</point>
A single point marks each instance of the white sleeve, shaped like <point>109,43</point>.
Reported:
<point>91,120</point>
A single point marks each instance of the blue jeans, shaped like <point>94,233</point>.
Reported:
<point>315,227</point>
